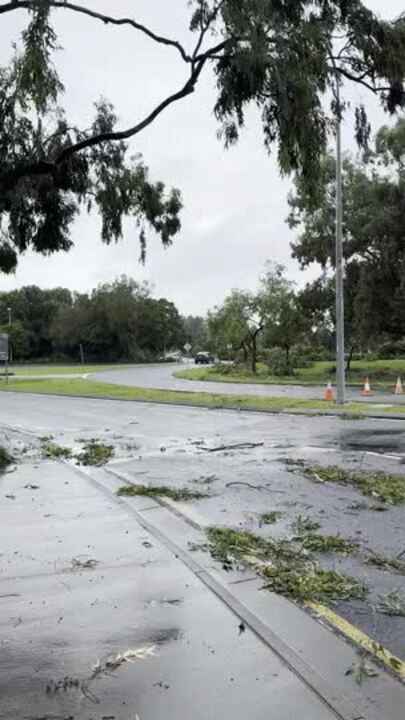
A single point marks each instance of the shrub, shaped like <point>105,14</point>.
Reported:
<point>276,361</point>
<point>392,349</point>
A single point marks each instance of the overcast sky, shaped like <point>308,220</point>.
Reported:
<point>235,202</point>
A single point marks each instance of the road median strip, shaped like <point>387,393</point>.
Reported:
<point>93,389</point>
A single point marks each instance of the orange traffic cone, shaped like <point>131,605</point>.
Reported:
<point>329,394</point>
<point>398,388</point>
<point>367,389</point>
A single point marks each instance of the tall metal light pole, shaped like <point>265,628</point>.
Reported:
<point>340,320</point>
<point>10,350</point>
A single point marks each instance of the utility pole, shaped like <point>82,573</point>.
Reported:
<point>340,320</point>
<point>10,346</point>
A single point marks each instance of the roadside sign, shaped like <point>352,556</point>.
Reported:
<point>3,347</point>
<point>187,347</point>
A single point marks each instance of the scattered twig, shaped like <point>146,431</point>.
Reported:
<point>237,446</point>
<point>240,482</point>
<point>385,563</point>
<point>255,487</point>
<point>113,663</point>
<point>78,564</point>
<point>393,604</point>
<point>317,478</point>
<point>362,670</point>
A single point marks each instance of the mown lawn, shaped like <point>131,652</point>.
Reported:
<point>80,387</point>
<point>382,374</point>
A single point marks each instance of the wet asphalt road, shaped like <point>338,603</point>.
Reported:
<point>161,377</point>
<point>121,600</point>
<point>162,445</point>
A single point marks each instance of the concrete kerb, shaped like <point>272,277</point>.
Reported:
<point>266,411</point>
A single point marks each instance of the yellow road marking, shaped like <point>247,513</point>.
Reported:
<point>353,633</point>
<point>360,638</point>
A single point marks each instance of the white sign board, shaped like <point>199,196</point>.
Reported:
<point>3,347</point>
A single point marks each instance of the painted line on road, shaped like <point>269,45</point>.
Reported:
<point>359,638</point>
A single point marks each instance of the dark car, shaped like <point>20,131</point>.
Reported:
<point>203,358</point>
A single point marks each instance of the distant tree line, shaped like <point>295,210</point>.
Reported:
<point>116,321</point>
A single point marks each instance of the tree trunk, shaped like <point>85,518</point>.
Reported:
<point>287,354</point>
<point>245,353</point>
<point>349,358</point>
<point>254,354</point>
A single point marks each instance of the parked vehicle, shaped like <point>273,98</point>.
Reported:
<point>204,358</point>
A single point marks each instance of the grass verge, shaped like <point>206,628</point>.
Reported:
<point>72,369</point>
<point>382,373</point>
<point>80,387</point>
<point>386,487</point>
<point>159,491</point>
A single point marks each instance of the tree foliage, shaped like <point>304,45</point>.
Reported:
<point>197,333</point>
<point>281,55</point>
<point>237,324</point>
<point>374,239</point>
<point>117,321</point>
<point>270,317</point>
<point>285,323</point>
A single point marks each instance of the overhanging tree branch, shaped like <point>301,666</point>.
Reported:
<point>44,167</point>
<point>360,81</point>
<point>205,26</point>
<point>187,89</point>
<point>106,19</point>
